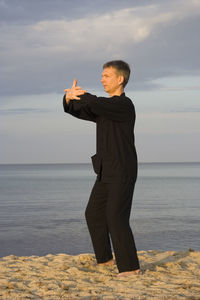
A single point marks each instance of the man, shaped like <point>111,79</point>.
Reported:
<point>115,163</point>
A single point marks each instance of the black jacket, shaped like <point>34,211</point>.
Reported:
<point>115,159</point>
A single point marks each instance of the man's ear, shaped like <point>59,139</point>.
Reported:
<point>121,79</point>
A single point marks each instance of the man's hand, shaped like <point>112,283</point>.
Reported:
<point>74,92</point>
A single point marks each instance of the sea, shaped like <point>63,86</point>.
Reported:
<point>42,208</point>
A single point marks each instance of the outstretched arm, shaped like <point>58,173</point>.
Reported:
<point>115,109</point>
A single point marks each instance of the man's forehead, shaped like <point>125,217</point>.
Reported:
<point>108,70</point>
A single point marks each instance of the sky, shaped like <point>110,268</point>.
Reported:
<point>45,44</point>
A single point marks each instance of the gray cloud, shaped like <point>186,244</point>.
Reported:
<point>23,111</point>
<point>28,11</point>
<point>48,45</point>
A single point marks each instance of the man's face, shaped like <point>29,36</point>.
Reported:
<point>111,80</point>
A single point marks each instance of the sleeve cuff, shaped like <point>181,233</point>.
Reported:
<point>65,105</point>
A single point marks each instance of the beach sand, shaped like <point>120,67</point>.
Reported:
<point>166,275</point>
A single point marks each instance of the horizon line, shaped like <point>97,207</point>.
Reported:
<point>86,163</point>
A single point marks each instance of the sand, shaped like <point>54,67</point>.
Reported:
<point>166,275</point>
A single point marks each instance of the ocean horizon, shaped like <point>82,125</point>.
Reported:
<point>42,207</point>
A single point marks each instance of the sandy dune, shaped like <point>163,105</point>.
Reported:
<point>166,275</point>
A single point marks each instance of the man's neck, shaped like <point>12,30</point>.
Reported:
<point>117,92</point>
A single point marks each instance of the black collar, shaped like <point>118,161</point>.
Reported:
<point>122,95</point>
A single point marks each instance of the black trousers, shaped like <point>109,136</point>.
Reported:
<point>107,215</point>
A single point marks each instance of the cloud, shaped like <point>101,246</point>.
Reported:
<point>183,83</point>
<point>130,25</point>
<point>42,56</point>
<point>22,111</point>
<point>181,88</point>
<point>27,12</point>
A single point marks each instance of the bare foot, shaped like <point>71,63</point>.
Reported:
<point>135,272</point>
<point>107,263</point>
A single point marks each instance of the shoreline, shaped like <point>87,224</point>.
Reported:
<point>166,275</point>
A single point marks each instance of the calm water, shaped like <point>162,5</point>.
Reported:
<point>42,208</point>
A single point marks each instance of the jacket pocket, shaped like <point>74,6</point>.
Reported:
<point>96,162</point>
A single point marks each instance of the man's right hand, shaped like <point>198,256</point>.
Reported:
<point>74,92</point>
